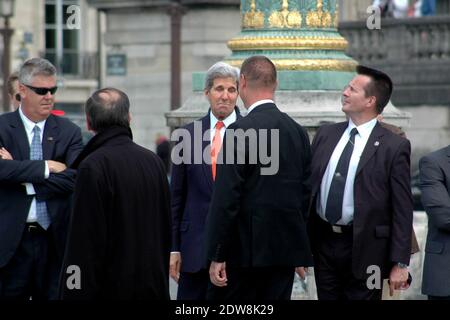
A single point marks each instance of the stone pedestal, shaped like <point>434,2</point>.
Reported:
<point>302,40</point>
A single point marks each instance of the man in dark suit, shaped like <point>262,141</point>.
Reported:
<point>119,233</point>
<point>256,227</point>
<point>435,187</point>
<point>361,205</point>
<point>35,187</point>
<point>192,182</point>
<point>397,130</point>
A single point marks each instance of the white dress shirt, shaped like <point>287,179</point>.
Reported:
<point>361,138</point>
<point>227,121</point>
<point>213,120</point>
<point>258,103</point>
<point>29,126</point>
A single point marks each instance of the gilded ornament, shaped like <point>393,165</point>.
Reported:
<point>253,18</point>
<point>288,43</point>
<point>318,18</point>
<point>308,64</point>
<point>285,18</point>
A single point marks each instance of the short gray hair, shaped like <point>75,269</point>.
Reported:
<point>221,70</point>
<point>35,67</point>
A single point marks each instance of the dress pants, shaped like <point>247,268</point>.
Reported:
<point>333,266</point>
<point>259,283</point>
<point>193,285</point>
<point>33,271</point>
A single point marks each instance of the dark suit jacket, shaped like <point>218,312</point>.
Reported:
<point>397,130</point>
<point>192,187</point>
<point>382,224</point>
<point>435,186</point>
<point>61,142</point>
<point>259,220</point>
<point>119,232</point>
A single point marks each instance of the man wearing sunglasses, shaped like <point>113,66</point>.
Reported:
<point>36,148</point>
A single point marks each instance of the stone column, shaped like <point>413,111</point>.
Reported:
<point>301,38</point>
<point>296,36</point>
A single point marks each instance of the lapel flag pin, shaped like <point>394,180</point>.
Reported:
<point>50,138</point>
<point>376,144</point>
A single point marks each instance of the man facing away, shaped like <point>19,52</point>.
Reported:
<point>119,233</point>
<point>256,226</point>
<point>435,187</point>
<point>192,183</point>
<point>35,187</point>
<point>361,208</point>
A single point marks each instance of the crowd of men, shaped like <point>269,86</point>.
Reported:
<point>250,200</point>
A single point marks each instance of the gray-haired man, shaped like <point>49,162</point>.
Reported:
<point>192,183</point>
<point>35,186</point>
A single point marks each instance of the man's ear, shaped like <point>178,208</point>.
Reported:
<point>129,117</point>
<point>22,91</point>
<point>88,124</point>
<point>242,80</point>
<point>373,101</point>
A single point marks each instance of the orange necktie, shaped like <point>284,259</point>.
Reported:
<point>215,147</point>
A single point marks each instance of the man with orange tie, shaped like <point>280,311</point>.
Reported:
<point>193,179</point>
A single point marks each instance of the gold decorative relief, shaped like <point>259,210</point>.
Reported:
<point>336,16</point>
<point>253,18</point>
<point>285,18</point>
<point>318,18</point>
<point>308,64</point>
<point>287,43</point>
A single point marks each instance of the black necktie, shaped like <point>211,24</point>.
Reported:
<point>333,210</point>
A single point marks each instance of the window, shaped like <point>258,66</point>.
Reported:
<point>70,63</point>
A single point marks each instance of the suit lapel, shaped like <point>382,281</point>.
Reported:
<point>448,155</point>
<point>330,145</point>
<point>49,139</point>
<point>20,136</point>
<point>371,147</point>
<point>207,168</point>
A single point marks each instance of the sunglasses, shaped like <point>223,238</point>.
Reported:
<point>42,91</point>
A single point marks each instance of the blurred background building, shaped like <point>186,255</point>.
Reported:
<point>36,32</point>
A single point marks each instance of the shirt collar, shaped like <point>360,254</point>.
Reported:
<point>28,124</point>
<point>365,129</point>
<point>258,103</point>
<point>227,121</point>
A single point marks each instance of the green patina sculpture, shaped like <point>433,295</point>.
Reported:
<point>300,37</point>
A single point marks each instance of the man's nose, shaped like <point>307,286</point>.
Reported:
<point>48,95</point>
<point>225,95</point>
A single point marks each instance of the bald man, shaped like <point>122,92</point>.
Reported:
<point>119,238</point>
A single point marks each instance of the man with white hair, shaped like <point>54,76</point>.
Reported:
<point>192,183</point>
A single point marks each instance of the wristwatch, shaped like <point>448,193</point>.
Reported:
<point>402,265</point>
